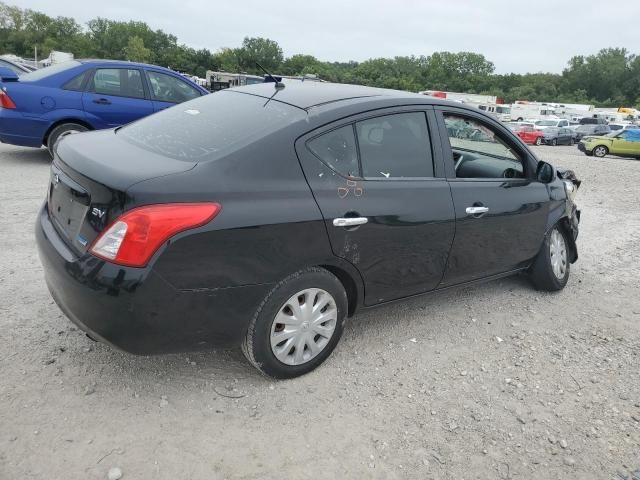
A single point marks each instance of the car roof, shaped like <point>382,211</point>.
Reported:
<point>96,61</point>
<point>306,94</point>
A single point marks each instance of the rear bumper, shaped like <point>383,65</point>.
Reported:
<point>137,310</point>
<point>17,129</point>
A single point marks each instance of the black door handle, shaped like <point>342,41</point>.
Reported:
<point>102,101</point>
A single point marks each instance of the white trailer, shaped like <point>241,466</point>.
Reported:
<point>56,57</point>
<point>521,111</point>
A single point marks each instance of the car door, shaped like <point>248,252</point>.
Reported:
<point>116,96</point>
<point>168,90</point>
<point>627,143</point>
<point>380,186</point>
<point>565,134</point>
<point>501,211</point>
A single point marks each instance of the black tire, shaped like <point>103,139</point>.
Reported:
<point>538,141</point>
<point>257,342</point>
<point>600,151</point>
<point>571,142</point>
<point>554,142</point>
<point>60,131</point>
<point>542,274</point>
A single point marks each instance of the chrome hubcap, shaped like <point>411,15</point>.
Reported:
<point>304,326</point>
<point>558,251</point>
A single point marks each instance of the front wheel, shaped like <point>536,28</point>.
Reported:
<point>600,151</point>
<point>298,324</point>
<point>550,270</point>
<point>554,142</point>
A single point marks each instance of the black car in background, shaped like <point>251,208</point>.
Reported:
<point>559,136</point>
<point>591,129</point>
<point>266,215</point>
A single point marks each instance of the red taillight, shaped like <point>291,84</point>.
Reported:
<point>135,236</point>
<point>5,100</point>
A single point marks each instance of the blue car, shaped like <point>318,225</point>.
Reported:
<point>38,108</point>
<point>18,69</point>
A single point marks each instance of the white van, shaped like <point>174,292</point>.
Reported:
<point>501,112</point>
<point>550,123</point>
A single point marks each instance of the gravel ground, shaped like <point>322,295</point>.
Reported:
<point>495,381</point>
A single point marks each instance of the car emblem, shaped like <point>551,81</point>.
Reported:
<point>97,212</point>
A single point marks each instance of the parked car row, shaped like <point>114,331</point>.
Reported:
<point>39,107</point>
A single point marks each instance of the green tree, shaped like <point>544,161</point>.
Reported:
<point>135,51</point>
<point>259,50</point>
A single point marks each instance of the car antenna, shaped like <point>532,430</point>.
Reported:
<point>278,84</point>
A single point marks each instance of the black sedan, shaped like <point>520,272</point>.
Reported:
<point>266,215</point>
<point>559,136</point>
<point>591,129</point>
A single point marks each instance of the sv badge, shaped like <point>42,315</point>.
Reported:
<point>96,212</point>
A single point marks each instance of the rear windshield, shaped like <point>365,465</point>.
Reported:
<point>211,126</point>
<point>48,71</point>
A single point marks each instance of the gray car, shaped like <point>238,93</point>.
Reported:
<point>597,130</point>
<point>559,136</point>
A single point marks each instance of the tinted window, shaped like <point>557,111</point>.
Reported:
<point>478,150</point>
<point>631,135</point>
<point>395,146</point>
<point>338,150</point>
<point>76,83</point>
<point>120,82</point>
<point>211,126</point>
<point>168,88</point>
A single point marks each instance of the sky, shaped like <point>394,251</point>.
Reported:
<point>516,35</point>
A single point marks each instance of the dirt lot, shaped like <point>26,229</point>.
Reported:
<point>496,381</point>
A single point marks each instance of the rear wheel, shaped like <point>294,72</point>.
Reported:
<point>571,142</point>
<point>538,141</point>
<point>60,131</point>
<point>298,324</point>
<point>600,151</point>
<point>550,270</point>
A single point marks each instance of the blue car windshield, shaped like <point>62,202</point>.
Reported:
<point>48,71</point>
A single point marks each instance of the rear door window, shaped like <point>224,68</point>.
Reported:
<point>337,149</point>
<point>167,88</point>
<point>76,83</point>
<point>395,146</point>
<point>120,82</point>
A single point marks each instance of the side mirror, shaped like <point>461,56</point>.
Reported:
<point>545,173</point>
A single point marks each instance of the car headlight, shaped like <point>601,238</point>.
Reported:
<point>571,189</point>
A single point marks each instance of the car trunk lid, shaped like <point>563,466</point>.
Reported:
<point>79,205</point>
